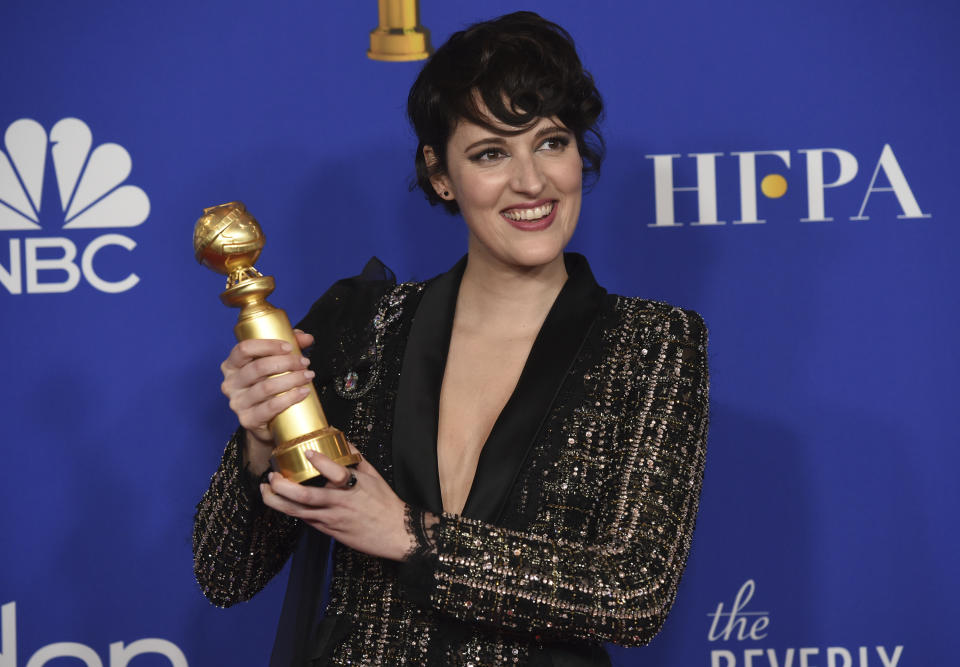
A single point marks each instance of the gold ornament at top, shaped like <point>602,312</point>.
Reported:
<point>399,37</point>
<point>228,240</point>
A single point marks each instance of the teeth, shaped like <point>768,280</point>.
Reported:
<point>529,213</point>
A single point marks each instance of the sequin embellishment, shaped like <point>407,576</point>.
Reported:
<point>388,311</point>
<point>350,380</point>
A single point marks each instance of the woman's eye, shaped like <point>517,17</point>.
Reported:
<point>488,155</point>
<point>555,143</point>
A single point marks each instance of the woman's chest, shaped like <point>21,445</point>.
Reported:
<point>479,377</point>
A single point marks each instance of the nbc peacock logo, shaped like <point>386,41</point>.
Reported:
<point>92,195</point>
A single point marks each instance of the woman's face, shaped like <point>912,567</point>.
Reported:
<point>519,194</point>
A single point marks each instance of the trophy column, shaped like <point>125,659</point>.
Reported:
<point>228,240</point>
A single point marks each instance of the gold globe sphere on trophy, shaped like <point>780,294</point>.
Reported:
<point>228,240</point>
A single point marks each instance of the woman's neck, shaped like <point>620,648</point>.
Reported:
<point>501,298</point>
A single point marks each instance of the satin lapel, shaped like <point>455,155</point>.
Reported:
<point>416,476</point>
<point>553,353</point>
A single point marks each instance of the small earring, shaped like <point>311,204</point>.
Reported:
<point>446,193</point>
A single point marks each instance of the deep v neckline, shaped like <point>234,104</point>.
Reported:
<point>416,413</point>
<point>479,377</point>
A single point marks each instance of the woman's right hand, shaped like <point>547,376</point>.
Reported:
<point>257,393</point>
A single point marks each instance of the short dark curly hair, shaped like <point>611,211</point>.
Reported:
<point>522,67</point>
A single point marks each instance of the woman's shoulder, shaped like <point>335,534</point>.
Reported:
<point>659,341</point>
<point>350,300</point>
<point>652,316</point>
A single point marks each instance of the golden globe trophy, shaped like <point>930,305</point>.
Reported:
<point>399,36</point>
<point>228,240</point>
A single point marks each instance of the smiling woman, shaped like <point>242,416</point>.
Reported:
<point>505,76</point>
<point>531,180</point>
<point>533,447</point>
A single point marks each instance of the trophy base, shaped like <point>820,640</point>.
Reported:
<point>290,458</point>
<point>399,44</point>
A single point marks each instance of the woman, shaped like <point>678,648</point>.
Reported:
<point>532,446</point>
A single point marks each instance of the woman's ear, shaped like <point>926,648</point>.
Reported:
<point>438,179</point>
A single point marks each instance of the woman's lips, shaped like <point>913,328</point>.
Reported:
<point>531,218</point>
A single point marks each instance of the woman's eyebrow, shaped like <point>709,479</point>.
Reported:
<point>500,141</point>
<point>551,129</point>
<point>486,141</point>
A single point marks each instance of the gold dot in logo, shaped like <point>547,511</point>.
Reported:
<point>773,186</point>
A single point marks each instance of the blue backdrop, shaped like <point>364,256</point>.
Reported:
<point>825,533</point>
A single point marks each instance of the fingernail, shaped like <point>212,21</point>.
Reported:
<point>303,391</point>
<point>308,374</point>
<point>285,346</point>
<point>270,476</point>
<point>304,361</point>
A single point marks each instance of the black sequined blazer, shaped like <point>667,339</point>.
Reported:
<point>578,524</point>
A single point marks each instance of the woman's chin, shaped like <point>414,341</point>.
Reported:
<point>535,257</point>
<point>522,249</point>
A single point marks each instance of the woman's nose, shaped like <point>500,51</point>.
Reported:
<point>527,178</point>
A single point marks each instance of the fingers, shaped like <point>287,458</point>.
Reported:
<point>291,497</point>
<point>335,474</point>
<point>304,340</point>
<point>256,361</point>
<point>256,416</point>
<point>365,514</point>
<point>247,350</point>
<point>277,495</point>
<point>270,386</point>
<point>315,504</point>
<point>262,378</point>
